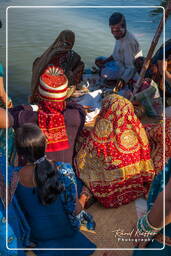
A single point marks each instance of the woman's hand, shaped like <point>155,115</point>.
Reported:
<point>71,90</point>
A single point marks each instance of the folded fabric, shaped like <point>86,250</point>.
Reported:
<point>92,100</point>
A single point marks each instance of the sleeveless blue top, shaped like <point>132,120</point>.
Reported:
<point>51,227</point>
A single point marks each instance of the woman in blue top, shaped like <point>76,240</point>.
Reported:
<point>47,194</point>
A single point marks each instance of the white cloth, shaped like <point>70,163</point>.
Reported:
<point>91,80</point>
<point>126,50</point>
<point>35,108</point>
<point>141,207</point>
<point>93,100</point>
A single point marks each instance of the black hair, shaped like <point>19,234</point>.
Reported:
<point>159,54</point>
<point>31,144</point>
<point>138,63</point>
<point>0,24</point>
<point>116,18</point>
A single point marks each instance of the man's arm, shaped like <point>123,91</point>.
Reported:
<point>131,51</point>
<point>100,63</point>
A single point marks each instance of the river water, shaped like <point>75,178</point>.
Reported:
<point>32,29</point>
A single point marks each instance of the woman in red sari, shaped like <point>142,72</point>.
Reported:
<point>114,160</point>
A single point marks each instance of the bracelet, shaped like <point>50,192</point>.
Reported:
<point>144,226</point>
<point>144,232</point>
<point>151,226</point>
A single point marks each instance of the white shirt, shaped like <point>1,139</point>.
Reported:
<point>126,50</point>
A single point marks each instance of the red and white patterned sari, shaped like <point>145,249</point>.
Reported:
<point>114,159</point>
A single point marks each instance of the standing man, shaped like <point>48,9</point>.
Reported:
<point>120,65</point>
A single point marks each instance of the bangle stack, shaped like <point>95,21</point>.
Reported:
<point>143,226</point>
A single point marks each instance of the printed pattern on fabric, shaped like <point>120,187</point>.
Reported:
<point>3,132</point>
<point>114,160</point>
<point>53,91</point>
<point>18,229</point>
<point>156,139</point>
<point>51,122</point>
<point>14,178</point>
<point>72,65</point>
<point>12,240</point>
<point>68,196</point>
